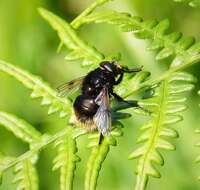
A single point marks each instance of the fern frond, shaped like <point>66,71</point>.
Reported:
<point>79,48</point>
<point>40,89</point>
<point>66,159</point>
<point>26,175</point>
<point>19,128</point>
<point>184,50</point>
<point>166,105</point>
<point>192,3</point>
<point>97,156</point>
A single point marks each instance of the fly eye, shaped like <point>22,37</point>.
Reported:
<point>107,67</point>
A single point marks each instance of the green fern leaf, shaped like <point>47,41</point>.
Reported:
<point>26,175</point>
<point>68,36</point>
<point>184,50</point>
<point>97,156</point>
<point>166,105</point>
<point>19,128</point>
<point>39,88</point>
<point>66,159</point>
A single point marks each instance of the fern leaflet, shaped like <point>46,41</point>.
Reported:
<point>166,104</point>
<point>26,175</point>
<point>97,157</point>
<point>19,128</point>
<point>66,159</point>
<point>39,88</point>
<point>68,36</point>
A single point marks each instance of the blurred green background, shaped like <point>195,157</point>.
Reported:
<point>27,40</point>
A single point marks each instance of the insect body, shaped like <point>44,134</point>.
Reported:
<point>92,106</point>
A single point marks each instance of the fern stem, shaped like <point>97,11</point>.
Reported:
<point>78,20</point>
<point>141,182</point>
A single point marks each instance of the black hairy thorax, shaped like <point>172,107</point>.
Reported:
<point>96,80</point>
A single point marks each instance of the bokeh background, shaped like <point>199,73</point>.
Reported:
<point>27,40</point>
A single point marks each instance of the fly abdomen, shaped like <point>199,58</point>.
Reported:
<point>85,108</point>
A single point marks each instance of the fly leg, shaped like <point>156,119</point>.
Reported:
<point>120,99</point>
<point>131,70</point>
<point>101,137</point>
<point>127,70</point>
<point>133,103</point>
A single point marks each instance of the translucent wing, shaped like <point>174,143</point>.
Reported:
<point>102,118</point>
<point>70,87</point>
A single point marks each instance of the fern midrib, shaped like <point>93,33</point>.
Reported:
<point>64,171</point>
<point>28,175</point>
<point>68,162</point>
<point>90,165</point>
<point>155,133</point>
<point>94,164</point>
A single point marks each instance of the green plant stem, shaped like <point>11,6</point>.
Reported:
<point>141,182</point>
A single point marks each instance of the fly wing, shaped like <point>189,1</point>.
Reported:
<point>102,118</point>
<point>70,87</point>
